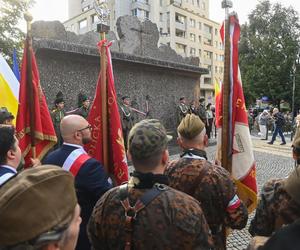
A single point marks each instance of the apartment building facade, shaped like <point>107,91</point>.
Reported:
<point>183,24</point>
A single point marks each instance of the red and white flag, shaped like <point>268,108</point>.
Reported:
<point>243,162</point>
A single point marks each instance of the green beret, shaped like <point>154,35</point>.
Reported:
<point>190,126</point>
<point>34,202</point>
<point>147,138</point>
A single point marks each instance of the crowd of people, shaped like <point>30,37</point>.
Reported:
<point>69,202</point>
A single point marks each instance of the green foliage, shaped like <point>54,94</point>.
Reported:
<point>11,36</point>
<point>269,47</point>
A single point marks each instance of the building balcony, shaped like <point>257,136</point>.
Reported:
<point>176,2</point>
<point>140,4</point>
<point>180,26</point>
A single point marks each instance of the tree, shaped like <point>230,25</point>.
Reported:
<point>268,49</point>
<point>11,36</point>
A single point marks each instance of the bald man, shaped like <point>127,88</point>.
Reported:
<point>91,180</point>
<point>211,185</point>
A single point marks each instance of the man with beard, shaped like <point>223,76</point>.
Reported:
<point>90,179</point>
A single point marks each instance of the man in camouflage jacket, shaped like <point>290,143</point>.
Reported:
<point>279,202</point>
<point>172,220</point>
<point>211,185</point>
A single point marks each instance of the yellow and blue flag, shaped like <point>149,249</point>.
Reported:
<point>9,88</point>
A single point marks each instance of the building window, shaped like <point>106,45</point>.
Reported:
<point>140,13</point>
<point>192,51</point>
<point>198,3</point>
<point>179,18</point>
<point>192,37</point>
<point>161,17</point>
<point>179,33</point>
<point>199,39</point>
<point>207,80</point>
<point>216,69</point>
<point>95,19</point>
<point>199,52</point>
<point>192,23</point>
<point>216,44</point>
<point>207,41</point>
<point>207,54</point>
<point>82,24</point>
<point>207,29</point>
<point>180,48</point>
<point>203,6</point>
<point>216,57</point>
<point>160,2</point>
<point>216,32</point>
<point>82,1</point>
<point>199,26</point>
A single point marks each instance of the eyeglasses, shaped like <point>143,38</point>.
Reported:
<point>87,127</point>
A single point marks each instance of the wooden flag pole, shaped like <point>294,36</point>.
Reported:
<point>226,121</point>
<point>102,29</point>
<point>29,84</point>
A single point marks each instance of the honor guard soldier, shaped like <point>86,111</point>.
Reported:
<point>57,114</point>
<point>83,106</point>
<point>6,117</point>
<point>202,110</point>
<point>211,185</point>
<point>279,203</point>
<point>182,109</point>
<point>127,117</point>
<point>146,213</point>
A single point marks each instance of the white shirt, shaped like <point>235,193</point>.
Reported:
<point>7,176</point>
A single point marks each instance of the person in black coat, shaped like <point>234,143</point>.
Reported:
<point>91,181</point>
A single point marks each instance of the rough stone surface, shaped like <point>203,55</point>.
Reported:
<point>70,63</point>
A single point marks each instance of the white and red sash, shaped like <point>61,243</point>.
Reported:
<point>75,160</point>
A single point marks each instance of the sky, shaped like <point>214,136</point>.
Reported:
<point>50,10</point>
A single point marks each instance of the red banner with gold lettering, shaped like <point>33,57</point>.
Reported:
<point>116,151</point>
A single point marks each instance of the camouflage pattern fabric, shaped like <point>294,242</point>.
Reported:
<point>173,220</point>
<point>275,208</point>
<point>147,138</point>
<point>214,189</point>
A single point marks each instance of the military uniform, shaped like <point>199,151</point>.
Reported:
<point>182,111</point>
<point>57,115</point>
<point>202,113</point>
<point>169,220</point>
<point>127,119</point>
<point>82,111</point>
<point>213,188</point>
<point>275,208</point>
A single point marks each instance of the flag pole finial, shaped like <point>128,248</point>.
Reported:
<point>28,18</point>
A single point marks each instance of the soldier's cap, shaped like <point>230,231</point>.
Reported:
<point>190,126</point>
<point>181,98</point>
<point>125,97</point>
<point>82,98</point>
<point>147,138</point>
<point>4,115</point>
<point>34,202</point>
<point>59,98</point>
<point>202,99</point>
